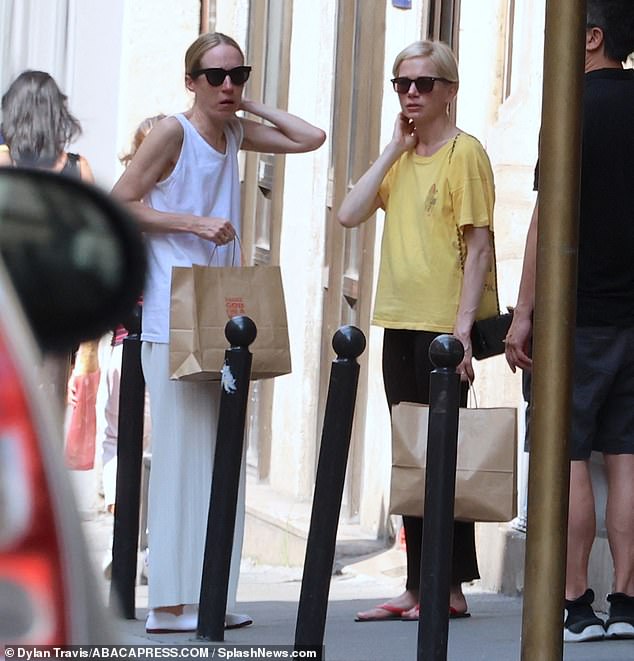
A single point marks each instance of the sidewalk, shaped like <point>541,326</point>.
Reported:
<point>270,595</point>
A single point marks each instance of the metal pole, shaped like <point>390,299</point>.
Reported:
<point>128,487</point>
<point>348,343</point>
<point>445,353</point>
<point>554,321</point>
<point>240,331</point>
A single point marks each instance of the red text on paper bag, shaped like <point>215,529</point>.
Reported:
<point>235,307</point>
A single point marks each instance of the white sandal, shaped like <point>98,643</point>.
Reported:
<point>163,622</point>
<point>237,620</point>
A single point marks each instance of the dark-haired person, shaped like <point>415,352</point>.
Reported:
<point>37,126</point>
<point>186,174</point>
<point>603,385</point>
<point>436,185</point>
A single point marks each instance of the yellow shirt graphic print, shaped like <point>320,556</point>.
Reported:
<point>430,200</point>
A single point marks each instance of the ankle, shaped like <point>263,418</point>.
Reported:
<point>457,599</point>
<point>575,592</point>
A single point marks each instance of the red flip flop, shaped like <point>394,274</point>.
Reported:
<point>453,615</point>
<point>394,614</point>
<point>456,615</point>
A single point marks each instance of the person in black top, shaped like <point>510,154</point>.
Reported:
<point>603,385</point>
<point>37,127</point>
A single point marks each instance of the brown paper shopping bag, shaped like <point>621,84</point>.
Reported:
<point>204,298</point>
<point>486,476</point>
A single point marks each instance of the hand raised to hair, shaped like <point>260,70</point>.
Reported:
<point>245,104</point>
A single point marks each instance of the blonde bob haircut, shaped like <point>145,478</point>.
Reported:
<point>204,43</point>
<point>437,51</point>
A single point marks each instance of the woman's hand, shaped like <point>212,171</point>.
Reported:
<point>248,106</point>
<point>218,230</point>
<point>465,368</point>
<point>404,133</point>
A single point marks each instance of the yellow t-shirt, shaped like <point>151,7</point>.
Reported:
<point>428,201</point>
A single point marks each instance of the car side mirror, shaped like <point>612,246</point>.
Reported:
<point>76,258</point>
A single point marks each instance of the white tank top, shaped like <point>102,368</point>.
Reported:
<point>204,182</point>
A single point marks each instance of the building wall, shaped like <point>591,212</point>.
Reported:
<point>302,252</point>
<point>154,39</point>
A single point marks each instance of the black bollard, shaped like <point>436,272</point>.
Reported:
<point>348,343</point>
<point>240,331</point>
<point>445,353</point>
<point>129,456</point>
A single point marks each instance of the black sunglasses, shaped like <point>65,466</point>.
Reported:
<point>215,77</point>
<point>424,84</point>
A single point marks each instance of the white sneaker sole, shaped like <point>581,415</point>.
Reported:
<point>620,630</point>
<point>593,632</point>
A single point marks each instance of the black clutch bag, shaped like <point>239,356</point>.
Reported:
<point>487,335</point>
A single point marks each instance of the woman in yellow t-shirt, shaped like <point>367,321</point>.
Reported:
<point>436,274</point>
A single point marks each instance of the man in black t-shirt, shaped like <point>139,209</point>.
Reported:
<point>603,385</point>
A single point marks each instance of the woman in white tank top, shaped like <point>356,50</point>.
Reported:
<point>183,186</point>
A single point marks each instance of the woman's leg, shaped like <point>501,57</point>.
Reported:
<point>399,381</point>
<point>183,441</point>
<point>464,561</point>
<point>413,544</point>
<point>406,370</point>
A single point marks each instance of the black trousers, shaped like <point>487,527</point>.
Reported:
<point>406,370</point>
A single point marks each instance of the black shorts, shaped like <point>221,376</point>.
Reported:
<point>603,392</point>
<point>602,417</point>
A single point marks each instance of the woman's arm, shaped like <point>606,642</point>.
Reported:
<point>85,171</point>
<point>157,154</point>
<point>363,200</point>
<point>519,335</point>
<point>476,267</point>
<point>5,156</point>
<point>288,135</point>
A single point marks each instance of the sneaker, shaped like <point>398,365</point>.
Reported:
<point>620,623</point>
<point>580,621</point>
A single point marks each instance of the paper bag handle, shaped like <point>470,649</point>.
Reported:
<point>233,252</point>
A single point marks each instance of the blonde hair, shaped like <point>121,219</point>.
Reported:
<point>439,54</point>
<point>204,43</point>
<point>139,136</point>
